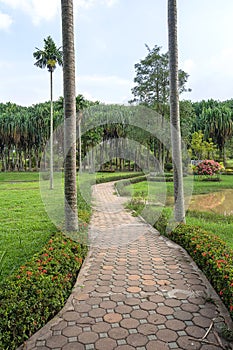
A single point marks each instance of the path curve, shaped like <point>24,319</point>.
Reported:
<point>136,290</point>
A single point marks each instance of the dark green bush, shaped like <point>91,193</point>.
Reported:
<point>38,290</point>
<point>213,257</point>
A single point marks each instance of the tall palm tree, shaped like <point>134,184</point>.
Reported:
<point>174,112</point>
<point>49,57</point>
<point>71,216</point>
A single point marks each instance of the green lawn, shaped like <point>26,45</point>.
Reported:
<point>218,224</point>
<point>24,224</point>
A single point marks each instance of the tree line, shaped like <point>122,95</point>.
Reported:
<point>206,127</point>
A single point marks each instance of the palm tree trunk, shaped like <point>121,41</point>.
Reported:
<point>71,216</point>
<point>174,113</point>
<point>51,131</point>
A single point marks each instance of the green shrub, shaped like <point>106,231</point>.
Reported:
<point>213,257</point>
<point>38,290</point>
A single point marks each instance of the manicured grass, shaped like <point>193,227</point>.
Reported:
<point>218,224</point>
<point>24,224</point>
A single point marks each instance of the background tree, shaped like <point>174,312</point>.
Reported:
<point>152,80</point>
<point>71,215</point>
<point>49,57</point>
<point>174,112</point>
<point>152,88</point>
<point>219,126</point>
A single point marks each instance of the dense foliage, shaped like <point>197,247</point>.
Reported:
<point>211,254</point>
<point>24,132</point>
<point>38,290</point>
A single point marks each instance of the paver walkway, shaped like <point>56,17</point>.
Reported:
<point>136,290</point>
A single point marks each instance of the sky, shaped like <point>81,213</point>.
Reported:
<point>110,38</point>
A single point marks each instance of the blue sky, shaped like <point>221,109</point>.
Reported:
<point>110,38</point>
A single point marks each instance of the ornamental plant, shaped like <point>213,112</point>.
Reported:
<point>38,290</point>
<point>208,168</point>
<point>211,254</point>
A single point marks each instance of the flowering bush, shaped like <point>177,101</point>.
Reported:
<point>213,257</point>
<point>38,290</point>
<point>208,168</point>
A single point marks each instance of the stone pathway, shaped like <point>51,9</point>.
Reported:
<point>136,290</point>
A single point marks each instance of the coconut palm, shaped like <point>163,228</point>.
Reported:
<point>71,216</point>
<point>49,57</point>
<point>174,112</point>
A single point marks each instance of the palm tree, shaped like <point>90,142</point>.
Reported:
<point>174,112</point>
<point>71,216</point>
<point>49,57</point>
<point>219,126</point>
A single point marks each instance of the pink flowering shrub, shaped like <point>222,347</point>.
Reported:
<point>208,168</point>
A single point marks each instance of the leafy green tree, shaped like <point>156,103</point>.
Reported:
<point>152,79</point>
<point>200,148</point>
<point>71,215</point>
<point>174,112</point>
<point>49,57</point>
<point>219,126</point>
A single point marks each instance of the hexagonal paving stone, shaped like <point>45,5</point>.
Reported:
<point>201,321</point>
<point>183,315</point>
<point>132,301</point>
<point>148,305</point>
<point>118,333</point>
<point>123,309</point>
<point>117,297</point>
<point>175,325</point>
<point>56,341</point>
<point>195,331</point>
<point>167,335</point>
<point>147,329</point>
<point>82,307</point>
<point>98,312</point>
<point>137,340</point>
<point>190,307</point>
<point>164,310</point>
<point>156,319</point>
<point>172,302</point>
<point>112,318</point>
<point>70,316</point>
<point>129,323</point>
<point>88,337</point>
<point>157,345</point>
<point>139,314</point>
<point>108,304</point>
<point>186,343</point>
<point>134,289</point>
<point>105,343</point>
<point>101,327</point>
<point>72,331</point>
<point>156,298</point>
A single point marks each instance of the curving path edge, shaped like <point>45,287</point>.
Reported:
<point>136,290</point>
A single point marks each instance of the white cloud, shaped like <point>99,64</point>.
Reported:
<point>5,21</point>
<point>37,10</point>
<point>40,10</point>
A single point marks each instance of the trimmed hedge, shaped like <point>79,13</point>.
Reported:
<point>211,254</point>
<point>38,290</point>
